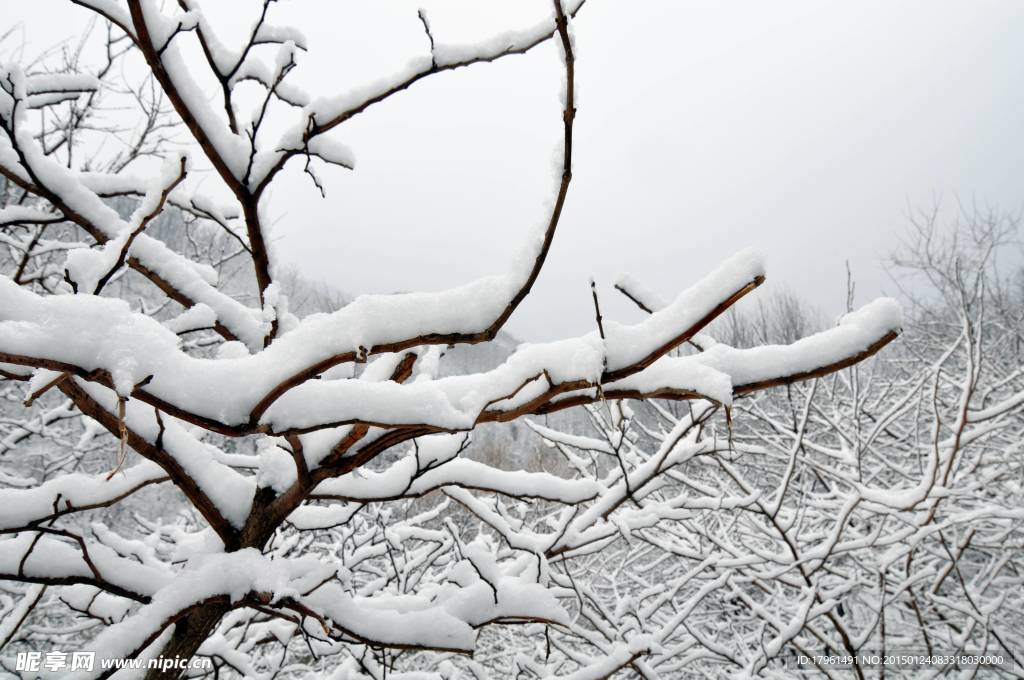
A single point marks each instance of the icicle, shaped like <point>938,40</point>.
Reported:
<point>122,428</point>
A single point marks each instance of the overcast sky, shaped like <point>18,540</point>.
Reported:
<point>803,129</point>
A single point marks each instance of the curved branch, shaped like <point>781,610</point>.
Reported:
<point>488,333</point>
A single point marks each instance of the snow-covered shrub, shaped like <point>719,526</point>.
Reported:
<point>877,511</point>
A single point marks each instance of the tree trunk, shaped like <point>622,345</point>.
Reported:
<point>189,634</point>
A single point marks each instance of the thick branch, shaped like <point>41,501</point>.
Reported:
<point>188,486</point>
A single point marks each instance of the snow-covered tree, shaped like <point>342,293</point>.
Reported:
<point>310,454</point>
<point>876,511</point>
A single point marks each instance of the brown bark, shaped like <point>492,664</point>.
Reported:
<point>189,634</point>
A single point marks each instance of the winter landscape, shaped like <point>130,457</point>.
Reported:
<point>223,455</point>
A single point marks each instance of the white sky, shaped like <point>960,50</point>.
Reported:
<point>803,129</point>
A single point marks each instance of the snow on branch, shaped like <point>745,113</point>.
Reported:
<point>140,358</point>
<point>40,556</point>
<point>406,479</point>
<point>74,492</point>
<point>93,269</point>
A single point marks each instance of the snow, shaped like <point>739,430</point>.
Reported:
<point>332,151</point>
<point>314,404</point>
<point>163,27</point>
<point>620,655</point>
<point>310,517</point>
<point>113,9</point>
<point>130,184</point>
<point>18,214</point>
<point>643,295</point>
<point>450,403</point>
<point>576,441</point>
<point>429,364</point>
<point>630,344</point>
<point>231,148</point>
<point>519,538</point>
<point>444,616</point>
<point>252,69</point>
<point>680,375</point>
<point>444,620</point>
<point>324,109</point>
<point>276,468</point>
<point>412,624</point>
<point>997,409</point>
<point>517,599</point>
<point>501,43</point>
<point>590,526</point>
<point>49,83</point>
<point>224,58</point>
<point>409,477</point>
<point>195,283</point>
<point>230,491</point>
<point>720,370</point>
<point>87,267</point>
<point>40,101</point>
<point>233,575</point>
<point>13,616</point>
<point>290,93</point>
<point>194,318</point>
<point>281,34</point>
<point>232,350</point>
<point>180,272</point>
<point>904,498</point>
<point>53,558</point>
<point>855,333</point>
<point>135,348</point>
<point>73,490</point>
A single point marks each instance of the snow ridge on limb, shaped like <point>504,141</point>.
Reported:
<point>134,349</point>
<point>333,111</point>
<point>114,11</point>
<point>39,556</point>
<point>633,348</point>
<point>406,479</point>
<point>74,492</point>
<point>858,335</point>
